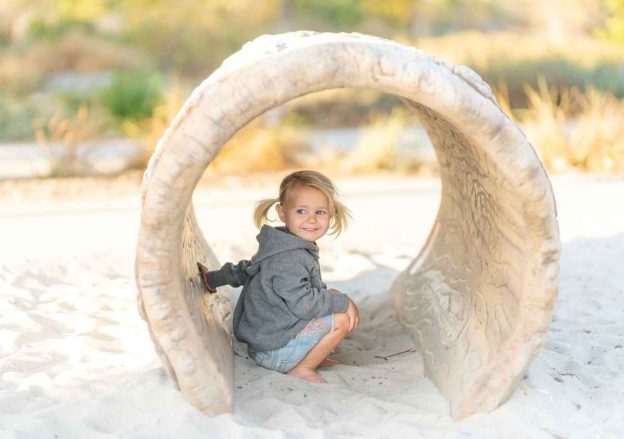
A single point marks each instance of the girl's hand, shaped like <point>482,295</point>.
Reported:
<point>203,276</point>
<point>354,316</point>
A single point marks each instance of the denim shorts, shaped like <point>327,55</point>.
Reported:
<point>287,357</point>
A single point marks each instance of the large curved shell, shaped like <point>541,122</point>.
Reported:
<point>478,299</point>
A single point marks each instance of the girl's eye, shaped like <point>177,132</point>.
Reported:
<point>321,212</point>
<point>301,211</point>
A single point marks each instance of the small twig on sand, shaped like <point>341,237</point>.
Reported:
<point>398,353</point>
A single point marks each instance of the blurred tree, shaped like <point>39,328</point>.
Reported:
<point>15,17</point>
<point>82,10</point>
<point>395,11</point>
<point>613,27</point>
<point>193,36</point>
<point>398,14</point>
<point>418,18</point>
<point>284,16</point>
<point>333,13</point>
<point>51,19</point>
<point>559,19</point>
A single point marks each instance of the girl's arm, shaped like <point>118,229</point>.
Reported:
<point>229,274</point>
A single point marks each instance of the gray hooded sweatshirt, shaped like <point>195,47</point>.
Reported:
<point>282,290</point>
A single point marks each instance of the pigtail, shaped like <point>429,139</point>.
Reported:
<point>340,218</point>
<point>261,211</point>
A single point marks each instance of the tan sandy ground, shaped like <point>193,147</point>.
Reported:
<point>76,359</point>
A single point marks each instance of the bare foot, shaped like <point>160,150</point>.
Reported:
<point>327,363</point>
<point>306,373</point>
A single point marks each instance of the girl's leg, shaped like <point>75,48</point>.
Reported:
<point>306,367</point>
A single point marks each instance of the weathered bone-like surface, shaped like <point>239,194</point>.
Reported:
<point>478,299</point>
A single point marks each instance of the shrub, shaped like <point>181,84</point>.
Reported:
<point>132,95</point>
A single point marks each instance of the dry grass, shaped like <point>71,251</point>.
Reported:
<point>573,130</point>
<point>377,147</point>
<point>63,136</point>
<point>259,147</point>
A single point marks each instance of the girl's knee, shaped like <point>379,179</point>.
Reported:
<point>341,321</point>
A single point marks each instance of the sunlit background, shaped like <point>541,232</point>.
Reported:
<point>88,86</point>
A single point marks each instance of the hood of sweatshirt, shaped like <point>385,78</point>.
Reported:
<point>274,240</point>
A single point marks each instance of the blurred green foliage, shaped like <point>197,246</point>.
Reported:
<point>132,95</point>
<point>339,13</point>
<point>40,29</point>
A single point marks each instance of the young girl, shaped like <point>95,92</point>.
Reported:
<point>289,319</point>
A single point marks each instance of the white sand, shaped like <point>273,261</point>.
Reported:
<point>76,359</point>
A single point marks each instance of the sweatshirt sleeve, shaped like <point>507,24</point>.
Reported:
<point>302,299</point>
<point>229,274</point>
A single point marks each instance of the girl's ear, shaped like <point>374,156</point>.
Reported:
<point>280,212</point>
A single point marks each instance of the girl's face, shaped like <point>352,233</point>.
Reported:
<point>306,213</point>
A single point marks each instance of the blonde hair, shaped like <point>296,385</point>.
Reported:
<point>338,212</point>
